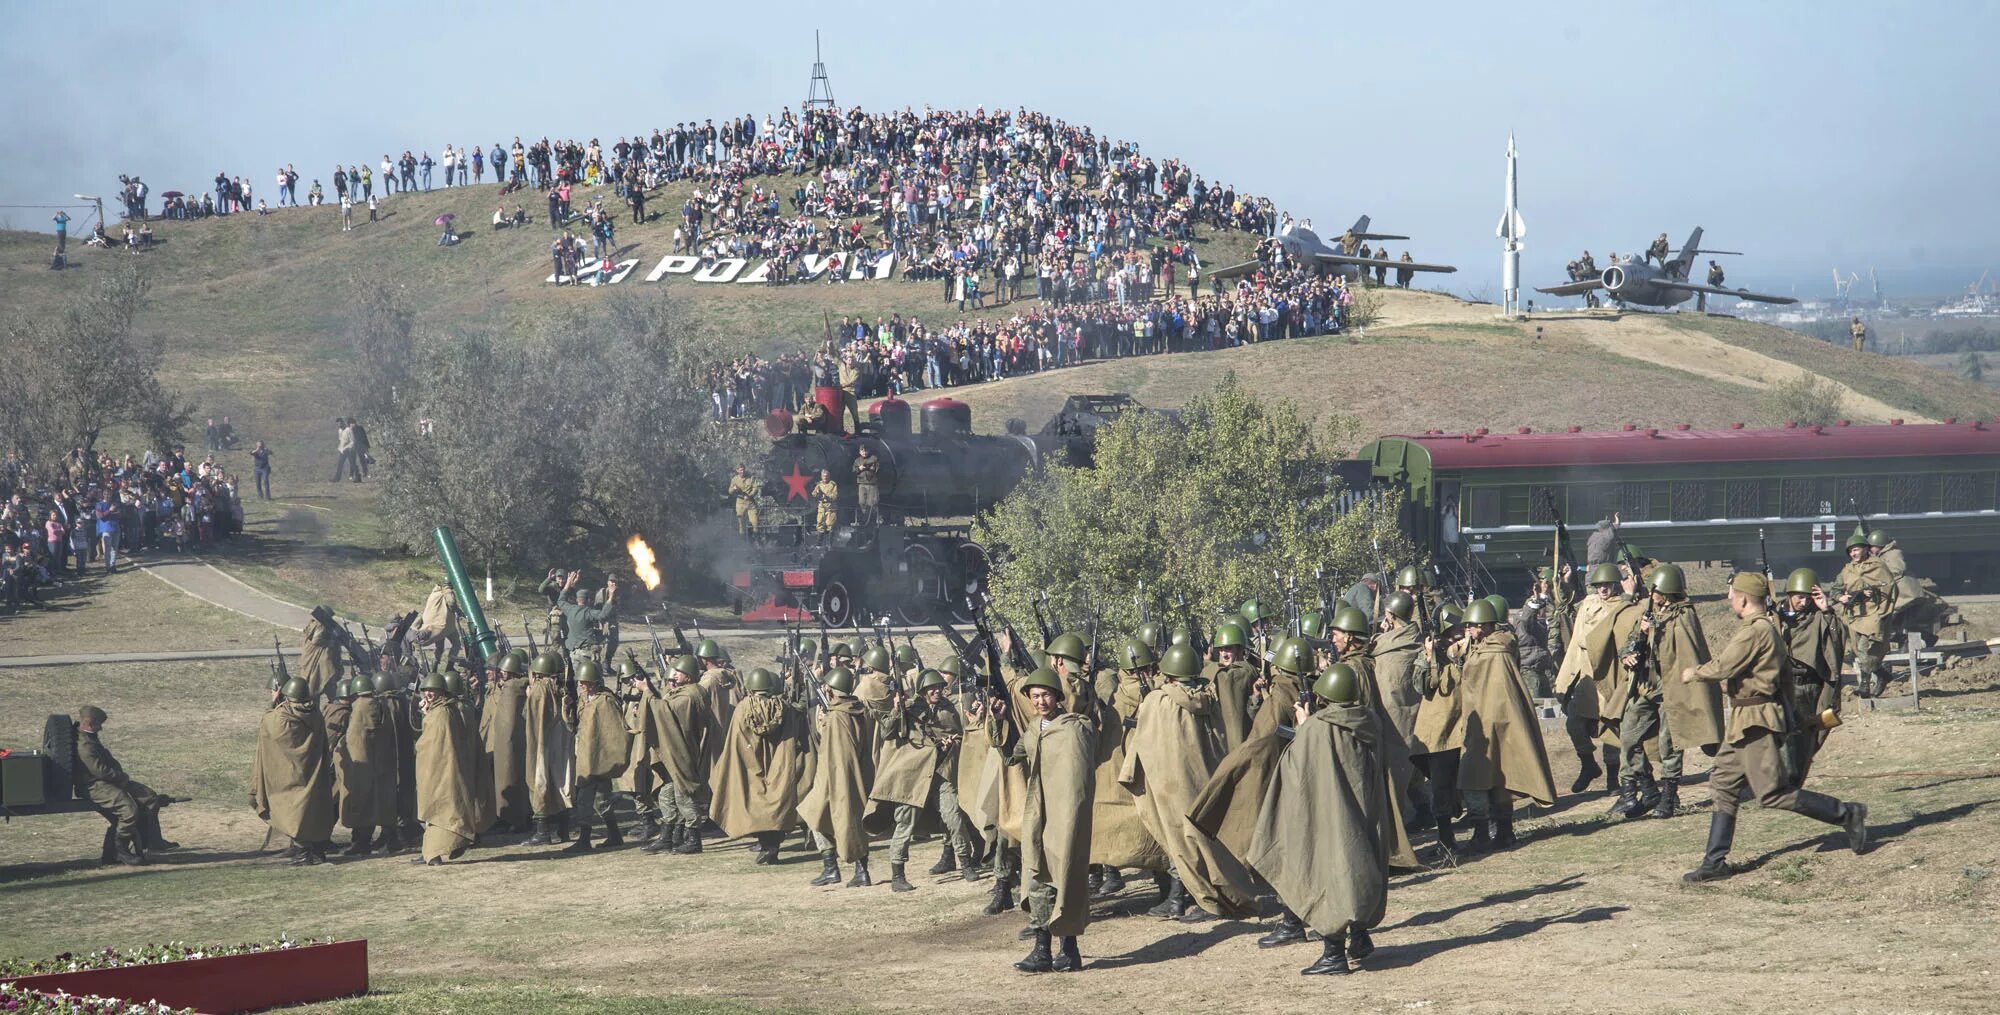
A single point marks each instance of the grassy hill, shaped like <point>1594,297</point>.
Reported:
<point>257,310</point>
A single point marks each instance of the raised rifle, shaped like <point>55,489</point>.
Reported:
<point>278,672</point>
<point>659,651</point>
<point>681,641</point>
<point>1383,575</point>
<point>1090,656</point>
<point>1763,554</point>
<point>1042,622</point>
<point>533,649</point>
<point>1637,645</point>
<point>1324,590</point>
<point>1859,518</point>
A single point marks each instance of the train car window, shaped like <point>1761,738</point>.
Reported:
<point>1910,495</point>
<point>1486,507</point>
<point>1853,491</point>
<point>1966,492</point>
<point>1689,501</point>
<point>1635,501</point>
<point>1800,498</point>
<point>1542,503</point>
<point>1743,498</point>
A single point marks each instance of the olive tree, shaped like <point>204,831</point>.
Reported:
<point>1236,499</point>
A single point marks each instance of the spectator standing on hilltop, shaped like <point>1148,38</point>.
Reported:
<point>347,213</point>
<point>62,231</point>
<point>344,443</point>
<point>448,159</point>
<point>106,513</point>
<point>260,469</point>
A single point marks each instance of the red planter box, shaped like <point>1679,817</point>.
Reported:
<point>229,984</point>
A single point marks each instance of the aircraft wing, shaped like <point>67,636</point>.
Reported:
<point>1741,294</point>
<point>1235,270</point>
<point>1572,288</point>
<point>1373,262</point>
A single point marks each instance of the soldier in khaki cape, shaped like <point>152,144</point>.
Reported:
<point>746,492</point>
<point>132,807</point>
<point>1815,644</point>
<point>368,769</point>
<point>826,498</point>
<point>724,689</point>
<point>1437,733</point>
<point>1501,753</point>
<point>679,725</point>
<point>603,749</point>
<point>1398,689</point>
<point>1663,717</point>
<point>447,789</point>
<point>917,772</point>
<point>635,696</point>
<point>757,777</point>
<point>550,747</point>
<point>1590,661</point>
<point>1867,597</point>
<point>1751,761</point>
<point>319,652</point>
<point>1058,754</point>
<point>843,772</point>
<point>1118,838</point>
<point>291,775</point>
<point>503,737</point>
<point>1173,748</point>
<point>1235,676</point>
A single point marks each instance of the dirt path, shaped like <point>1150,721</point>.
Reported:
<point>212,585</point>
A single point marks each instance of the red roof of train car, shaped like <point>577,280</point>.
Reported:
<point>1640,446</point>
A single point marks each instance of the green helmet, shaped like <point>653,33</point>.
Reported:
<point>1412,577</point>
<point>434,681</point>
<point>1038,657</point>
<point>358,685</point>
<point>1856,538</point>
<point>1252,612</point>
<point>1181,663</point>
<point>629,669</point>
<point>1669,579</point>
<point>688,666</point>
<point>454,682</point>
<point>1801,581</point>
<point>1545,572</point>
<point>708,649</point>
<point>907,657</point>
<point>841,679</point>
<point>548,664</point>
<point>1338,684</point>
<point>493,661</point>
<point>383,682</point>
<point>1450,615</point>
<point>1605,574</point>
<point>296,690</point>
<point>1044,677</point>
<point>1878,538</point>
<point>1481,611</point>
<point>1181,636</point>
<point>877,659</point>
<point>1068,646</point>
<point>1230,635</point>
<point>1293,656</point>
<point>1135,654</point>
<point>1499,607</point>
<point>952,664</point>
<point>588,672</point>
<point>762,681</point>
<point>516,663</point>
<point>929,679</point>
<point>842,649</point>
<point>1399,605</point>
<point>1312,626</point>
<point>1150,632</point>
<point>1350,621</point>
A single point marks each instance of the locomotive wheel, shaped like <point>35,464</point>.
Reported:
<point>969,578</point>
<point>923,586</point>
<point>836,604</point>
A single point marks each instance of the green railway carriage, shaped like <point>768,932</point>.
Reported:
<point>1483,502</point>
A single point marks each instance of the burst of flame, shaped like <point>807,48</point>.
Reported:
<point>642,561</point>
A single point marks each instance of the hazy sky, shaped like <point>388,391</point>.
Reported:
<point>1809,136</point>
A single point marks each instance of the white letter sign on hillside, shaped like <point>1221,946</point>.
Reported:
<point>733,269</point>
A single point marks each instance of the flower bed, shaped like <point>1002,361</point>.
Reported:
<point>178,977</point>
<point>22,1001</point>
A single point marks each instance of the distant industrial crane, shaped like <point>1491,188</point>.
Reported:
<point>1843,289</point>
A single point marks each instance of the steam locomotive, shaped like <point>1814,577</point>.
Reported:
<point>918,561</point>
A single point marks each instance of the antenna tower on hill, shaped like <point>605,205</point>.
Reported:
<point>819,91</point>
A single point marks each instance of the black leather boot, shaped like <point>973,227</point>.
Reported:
<point>1174,904</point>
<point>860,878</point>
<point>1003,897</point>
<point>1095,880</point>
<point>1610,770</point>
<point>690,842</point>
<point>612,836</point>
<point>1503,837</point>
<point>1649,795</point>
<point>668,838</point>
<point>1585,775</point>
<point>109,854</point>
<point>1669,803</point>
<point>1038,960</point>
<point>1628,798</point>
<point>968,865</point>
<point>649,829</point>
<point>897,882</point>
<point>1480,842</point>
<point>767,847</point>
<point>1854,817</point>
<point>1114,881</point>
<point>582,843</point>
<point>829,871</point>
<point>149,829</point>
<point>1069,959</point>
<point>1359,944</point>
<point>562,827</point>
<point>545,833</point>
<point>947,862</point>
<point>1715,862</point>
<point>361,846</point>
<point>1447,846</point>
<point>1332,960</point>
<point>1290,929</point>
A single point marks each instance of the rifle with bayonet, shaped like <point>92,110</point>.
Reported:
<point>533,649</point>
<point>278,672</point>
<point>681,641</point>
<point>1763,555</point>
<point>1041,621</point>
<point>1637,647</point>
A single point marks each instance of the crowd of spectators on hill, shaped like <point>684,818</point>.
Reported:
<point>93,510</point>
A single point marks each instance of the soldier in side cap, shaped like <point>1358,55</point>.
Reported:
<point>1751,761</point>
<point>131,807</point>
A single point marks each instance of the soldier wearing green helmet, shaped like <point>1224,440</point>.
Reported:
<point>721,683</point>
<point>1153,634</point>
<point>1671,715</point>
<point>1866,600</point>
<point>917,773</point>
<point>550,748</point>
<point>678,725</point>
<point>1589,679</point>
<point>1057,751</point>
<point>291,778</point>
<point>1816,642</point>
<point>503,736</point>
<point>1437,732</point>
<point>603,750</point>
<point>1172,748</point>
<point>635,695</point>
<point>843,769</point>
<point>1235,677</point>
<point>876,684</point>
<point>756,775</point>
<point>1117,839</point>
<point>366,766</point>
<point>447,787</point>
<point>1292,663</point>
<point>1399,688</point>
<point>1507,758</point>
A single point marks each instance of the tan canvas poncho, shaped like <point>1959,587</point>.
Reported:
<point>503,735</point>
<point>1693,711</point>
<point>291,775</point>
<point>679,725</point>
<point>637,778</point>
<point>1060,770</point>
<point>368,769</point>
<point>1590,651</point>
<point>551,748</point>
<point>1395,665</point>
<point>1438,728</point>
<point>757,775</point>
<point>1232,697</point>
<point>1871,618</point>
<point>447,801</point>
<point>913,759</point>
<point>1222,819</point>
<point>1503,746</point>
<point>603,748</point>
<point>319,656</point>
<point>844,770</point>
<point>1118,836</point>
<point>1322,839</point>
<point>1168,760</point>
<point>725,691</point>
